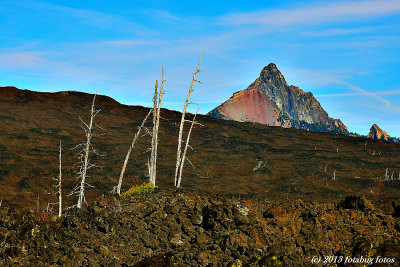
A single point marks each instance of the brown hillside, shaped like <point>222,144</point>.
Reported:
<point>292,163</point>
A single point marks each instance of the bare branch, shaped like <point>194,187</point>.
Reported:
<point>117,189</point>
<point>184,152</point>
<point>178,153</point>
<point>156,125</point>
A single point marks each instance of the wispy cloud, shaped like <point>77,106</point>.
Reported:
<point>323,78</point>
<point>128,42</point>
<point>391,92</point>
<point>348,31</point>
<point>20,59</point>
<point>346,10</point>
<point>88,17</point>
<point>165,15</point>
<point>37,62</point>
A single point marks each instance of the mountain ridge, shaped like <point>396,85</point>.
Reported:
<point>287,106</point>
<point>376,132</point>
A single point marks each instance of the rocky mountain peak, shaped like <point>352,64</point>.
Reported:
<point>270,100</point>
<point>271,74</point>
<point>377,133</point>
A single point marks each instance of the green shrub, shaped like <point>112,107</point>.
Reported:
<point>143,189</point>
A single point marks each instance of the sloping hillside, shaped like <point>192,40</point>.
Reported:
<point>233,158</point>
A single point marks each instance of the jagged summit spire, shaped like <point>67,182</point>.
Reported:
<point>271,73</point>
<point>271,66</point>
<point>377,133</point>
<point>270,100</point>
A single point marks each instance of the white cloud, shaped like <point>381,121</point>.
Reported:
<point>92,18</point>
<point>391,92</point>
<point>350,31</point>
<point>346,10</point>
<point>20,59</point>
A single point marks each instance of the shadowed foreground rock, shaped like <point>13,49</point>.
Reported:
<point>184,229</point>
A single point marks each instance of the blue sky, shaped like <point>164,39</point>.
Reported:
<point>347,53</point>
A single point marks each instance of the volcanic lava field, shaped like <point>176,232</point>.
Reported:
<point>231,158</point>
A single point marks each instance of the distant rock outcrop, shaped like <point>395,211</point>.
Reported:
<point>377,133</point>
<point>270,100</point>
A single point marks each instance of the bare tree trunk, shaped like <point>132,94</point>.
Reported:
<point>178,152</point>
<point>81,198</point>
<point>185,150</point>
<point>37,204</point>
<point>121,176</point>
<point>154,132</point>
<point>59,187</point>
<point>154,166</point>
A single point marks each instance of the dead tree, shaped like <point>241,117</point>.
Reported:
<point>334,175</point>
<point>154,132</point>
<point>58,181</point>
<point>156,123</point>
<point>117,189</point>
<point>185,150</point>
<point>260,165</point>
<point>83,156</point>
<point>37,203</point>
<point>178,153</point>
<point>59,186</point>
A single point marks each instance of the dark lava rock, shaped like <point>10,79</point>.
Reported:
<point>396,207</point>
<point>185,229</point>
<point>357,203</point>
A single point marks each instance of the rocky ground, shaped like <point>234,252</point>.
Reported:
<point>175,228</point>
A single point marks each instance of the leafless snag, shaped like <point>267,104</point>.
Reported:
<point>260,165</point>
<point>117,189</point>
<point>156,123</point>
<point>83,156</point>
<point>154,131</point>
<point>58,181</point>
<point>178,153</point>
<point>185,150</point>
<point>37,203</point>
